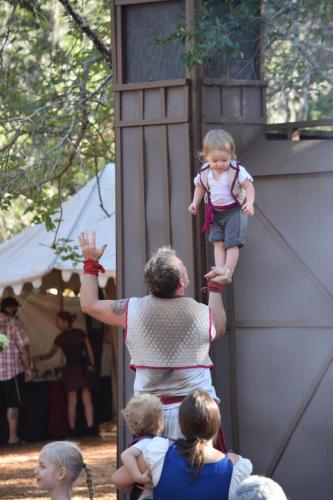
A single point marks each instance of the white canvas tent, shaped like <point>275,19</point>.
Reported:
<point>28,256</point>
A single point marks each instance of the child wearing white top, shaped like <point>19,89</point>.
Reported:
<point>199,420</point>
<point>144,416</point>
<point>229,195</point>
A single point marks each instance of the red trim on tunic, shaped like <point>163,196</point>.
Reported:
<point>134,367</point>
<point>169,298</point>
<point>210,325</point>
<point>169,400</point>
<point>126,315</point>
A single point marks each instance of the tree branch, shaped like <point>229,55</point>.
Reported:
<point>99,45</point>
<point>101,204</point>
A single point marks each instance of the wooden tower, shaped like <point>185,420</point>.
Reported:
<point>162,111</point>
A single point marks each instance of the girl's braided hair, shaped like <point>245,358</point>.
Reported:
<point>68,455</point>
<point>89,481</point>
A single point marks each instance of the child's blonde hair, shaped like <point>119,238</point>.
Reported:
<point>143,413</point>
<point>68,455</point>
<point>219,140</point>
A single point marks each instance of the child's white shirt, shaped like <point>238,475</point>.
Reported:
<point>154,454</point>
<point>142,445</point>
<point>220,194</point>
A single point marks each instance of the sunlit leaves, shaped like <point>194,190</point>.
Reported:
<point>56,109</point>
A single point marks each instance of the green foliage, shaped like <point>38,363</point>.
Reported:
<point>56,109</point>
<point>215,31</point>
<point>297,48</point>
<point>68,251</point>
<point>298,59</point>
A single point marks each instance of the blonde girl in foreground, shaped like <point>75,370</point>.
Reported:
<point>59,465</point>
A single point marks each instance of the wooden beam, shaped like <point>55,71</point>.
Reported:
<point>258,120</point>
<point>298,125</point>
<point>136,2</point>
<point>234,83</point>
<point>146,123</point>
<point>125,87</point>
<point>282,323</point>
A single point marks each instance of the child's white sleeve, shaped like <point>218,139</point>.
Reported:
<point>241,470</point>
<point>244,175</point>
<point>154,455</point>
<point>142,444</point>
<point>197,180</point>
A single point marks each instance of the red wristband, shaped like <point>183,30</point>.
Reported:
<point>93,267</point>
<point>213,286</point>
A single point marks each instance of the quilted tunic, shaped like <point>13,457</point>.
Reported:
<point>168,333</point>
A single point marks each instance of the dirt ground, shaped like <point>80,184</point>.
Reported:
<point>17,466</point>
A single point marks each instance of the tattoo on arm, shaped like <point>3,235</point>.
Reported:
<point>119,306</point>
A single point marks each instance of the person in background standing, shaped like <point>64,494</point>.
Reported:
<point>77,373</point>
<point>15,364</point>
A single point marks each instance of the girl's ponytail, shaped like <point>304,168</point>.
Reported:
<point>199,420</point>
<point>192,451</point>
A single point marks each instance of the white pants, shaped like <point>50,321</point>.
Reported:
<point>171,421</point>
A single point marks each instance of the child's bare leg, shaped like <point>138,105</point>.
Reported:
<point>219,257</point>
<point>228,269</point>
<point>219,254</point>
<point>231,260</point>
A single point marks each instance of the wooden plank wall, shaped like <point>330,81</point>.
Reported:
<point>154,186</point>
<point>158,129</point>
<point>284,317</point>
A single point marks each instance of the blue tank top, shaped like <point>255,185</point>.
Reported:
<point>176,482</point>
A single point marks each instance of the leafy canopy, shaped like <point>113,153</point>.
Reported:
<point>56,109</point>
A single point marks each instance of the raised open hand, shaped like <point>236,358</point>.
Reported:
<point>88,246</point>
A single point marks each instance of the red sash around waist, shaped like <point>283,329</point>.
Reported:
<point>209,213</point>
<point>169,400</point>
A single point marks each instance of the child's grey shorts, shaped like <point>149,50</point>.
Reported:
<point>230,227</point>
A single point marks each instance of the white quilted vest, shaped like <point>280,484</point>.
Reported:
<point>168,333</point>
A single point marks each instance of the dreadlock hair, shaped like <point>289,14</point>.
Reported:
<point>200,420</point>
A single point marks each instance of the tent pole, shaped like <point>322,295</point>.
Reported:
<point>60,290</point>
